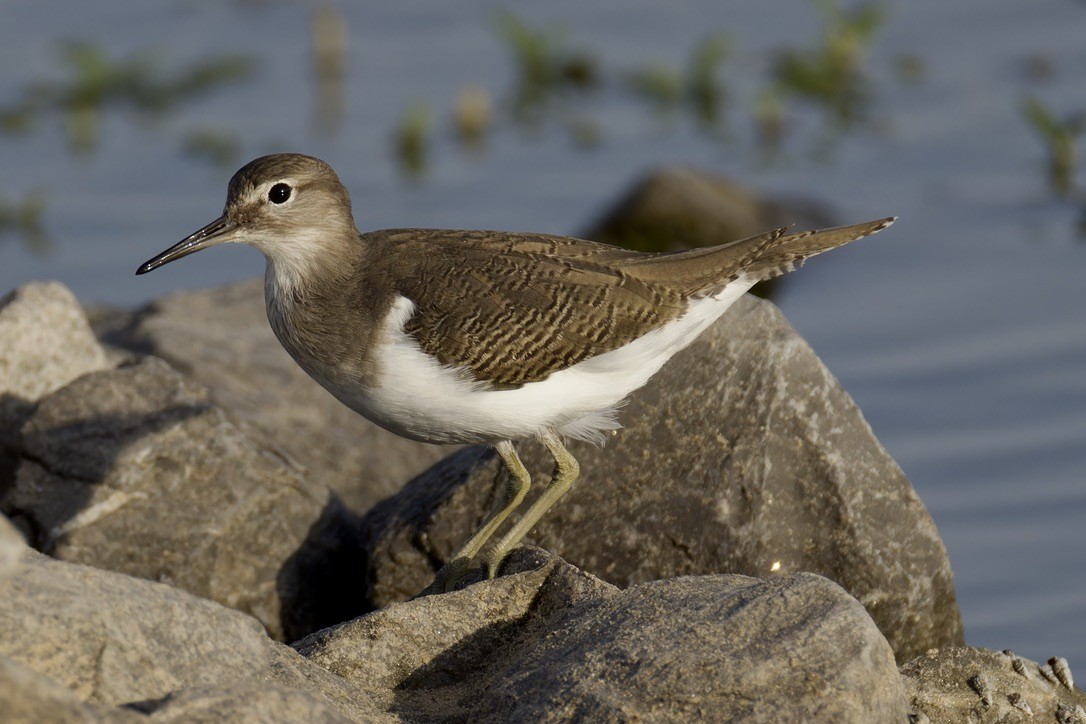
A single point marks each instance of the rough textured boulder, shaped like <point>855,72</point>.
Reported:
<point>45,343</point>
<point>977,685</point>
<point>250,702</point>
<point>545,643</point>
<point>221,339</point>
<point>742,456</point>
<point>554,644</point>
<point>115,640</point>
<point>12,547</point>
<point>27,696</point>
<point>134,470</point>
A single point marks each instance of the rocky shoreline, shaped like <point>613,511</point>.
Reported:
<point>744,549</point>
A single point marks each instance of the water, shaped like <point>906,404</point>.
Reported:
<point>960,332</point>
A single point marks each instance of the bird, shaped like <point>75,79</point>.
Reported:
<point>480,337</point>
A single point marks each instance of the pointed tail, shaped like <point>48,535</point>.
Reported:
<point>791,250</point>
<point>759,257</point>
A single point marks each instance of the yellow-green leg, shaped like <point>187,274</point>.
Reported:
<point>566,471</point>
<point>515,489</point>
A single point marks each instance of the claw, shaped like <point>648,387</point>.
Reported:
<point>451,577</point>
<point>493,564</point>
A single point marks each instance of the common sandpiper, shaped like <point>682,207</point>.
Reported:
<point>450,336</point>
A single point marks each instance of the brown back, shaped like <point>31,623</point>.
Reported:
<point>515,308</point>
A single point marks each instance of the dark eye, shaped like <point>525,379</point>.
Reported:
<point>279,193</point>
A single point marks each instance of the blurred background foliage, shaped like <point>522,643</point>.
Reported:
<point>558,83</point>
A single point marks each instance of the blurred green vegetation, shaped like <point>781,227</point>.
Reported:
<point>547,71</point>
<point>411,140</point>
<point>220,148</point>
<point>23,219</point>
<point>832,75</point>
<point>1060,137</point>
<point>697,89</point>
<point>94,83</point>
<point>557,84</point>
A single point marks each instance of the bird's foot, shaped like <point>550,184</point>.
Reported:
<point>453,575</point>
<point>492,562</point>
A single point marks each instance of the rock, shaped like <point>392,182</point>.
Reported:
<point>675,208</point>
<point>221,339</point>
<point>27,696</point>
<point>251,702</point>
<point>45,343</point>
<point>979,685</point>
<point>382,649</point>
<point>553,644</point>
<point>742,456</point>
<point>134,470</point>
<point>12,548</point>
<point>115,640</point>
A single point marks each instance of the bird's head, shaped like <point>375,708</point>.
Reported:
<point>291,207</point>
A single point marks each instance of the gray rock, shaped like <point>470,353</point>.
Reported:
<point>554,644</point>
<point>250,702</point>
<point>45,343</point>
<point>381,650</point>
<point>134,470</point>
<point>221,338</point>
<point>742,456</point>
<point>979,685</point>
<point>12,549</point>
<point>115,640</point>
<point>27,697</point>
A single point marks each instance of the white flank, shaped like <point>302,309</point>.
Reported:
<point>419,398</point>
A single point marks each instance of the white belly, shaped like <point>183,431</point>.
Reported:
<point>419,398</point>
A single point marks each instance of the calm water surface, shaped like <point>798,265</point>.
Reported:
<point>961,332</point>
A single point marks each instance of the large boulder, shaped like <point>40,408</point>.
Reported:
<point>27,696</point>
<point>221,339</point>
<point>135,470</point>
<point>250,701</point>
<point>743,455</point>
<point>978,685</point>
<point>45,343</point>
<point>114,640</point>
<point>551,643</point>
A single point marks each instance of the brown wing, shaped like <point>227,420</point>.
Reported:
<point>515,308</point>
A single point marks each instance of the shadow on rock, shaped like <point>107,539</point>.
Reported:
<point>78,452</point>
<point>450,682</point>
<point>433,513</point>
<point>134,470</point>
<point>14,412</point>
<point>324,582</point>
